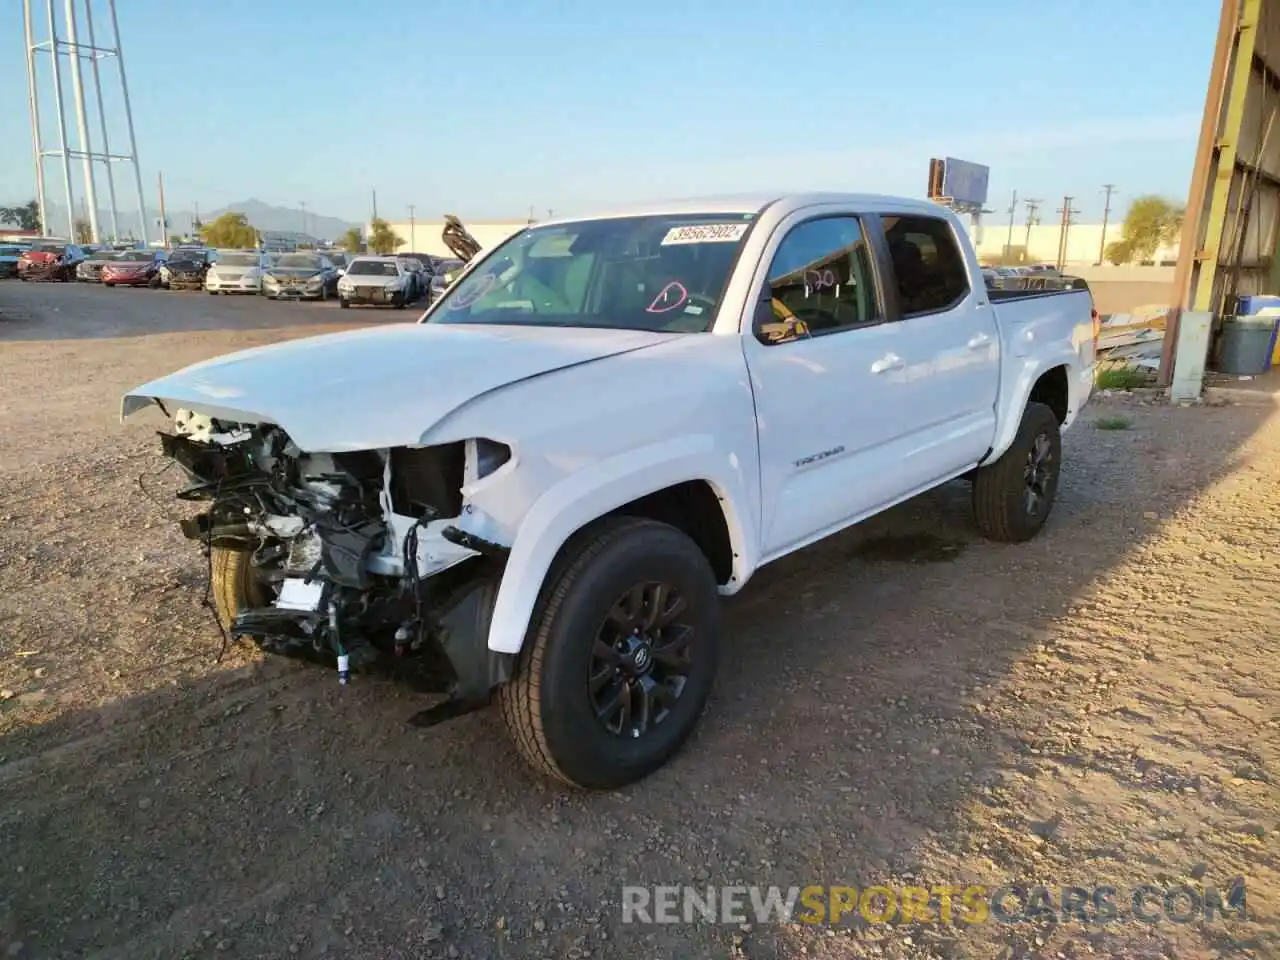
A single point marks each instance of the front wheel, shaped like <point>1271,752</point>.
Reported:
<point>620,657</point>
<point>1013,496</point>
<point>236,584</point>
<point>344,304</point>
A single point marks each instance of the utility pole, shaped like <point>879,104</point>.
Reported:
<point>1032,220</point>
<point>413,232</point>
<point>1013,208</point>
<point>164,222</point>
<point>1065,228</point>
<point>1106,215</point>
<point>303,204</point>
<point>375,205</point>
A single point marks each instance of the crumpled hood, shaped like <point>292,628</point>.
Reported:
<point>372,389</point>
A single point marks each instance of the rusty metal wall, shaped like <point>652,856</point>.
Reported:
<point>1232,228</point>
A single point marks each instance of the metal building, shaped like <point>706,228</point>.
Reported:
<point>1230,239</point>
<point>71,43</point>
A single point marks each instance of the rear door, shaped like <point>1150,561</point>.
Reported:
<point>950,345</point>
<point>827,385</point>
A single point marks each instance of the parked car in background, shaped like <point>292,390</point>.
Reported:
<point>418,276</point>
<point>301,276</point>
<point>442,276</point>
<point>51,260</point>
<point>339,259</point>
<point>236,271</point>
<point>377,281</point>
<point>89,269</point>
<point>9,254</point>
<point>134,268</point>
<point>185,269</point>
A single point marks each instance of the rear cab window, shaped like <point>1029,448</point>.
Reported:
<point>929,269</point>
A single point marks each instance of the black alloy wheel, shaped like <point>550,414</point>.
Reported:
<point>641,659</point>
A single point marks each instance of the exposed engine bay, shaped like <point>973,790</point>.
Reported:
<point>355,559</point>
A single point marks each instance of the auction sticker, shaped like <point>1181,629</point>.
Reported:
<point>706,233</point>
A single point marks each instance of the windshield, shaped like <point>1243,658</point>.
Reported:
<point>135,256</point>
<point>662,273</point>
<point>372,268</point>
<point>237,260</point>
<point>298,261</point>
<point>54,248</point>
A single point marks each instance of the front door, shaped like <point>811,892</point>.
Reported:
<point>828,383</point>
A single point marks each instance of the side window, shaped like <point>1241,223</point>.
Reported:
<point>929,269</point>
<point>820,280</point>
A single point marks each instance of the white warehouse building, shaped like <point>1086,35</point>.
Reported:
<point>424,236</point>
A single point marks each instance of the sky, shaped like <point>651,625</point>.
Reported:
<point>491,108</point>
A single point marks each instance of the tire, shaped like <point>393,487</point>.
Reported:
<point>344,304</point>
<point>548,705</point>
<point>107,285</point>
<point>212,293</point>
<point>234,587</point>
<point>1001,505</point>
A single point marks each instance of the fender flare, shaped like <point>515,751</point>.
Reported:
<point>1030,372</point>
<point>588,495</point>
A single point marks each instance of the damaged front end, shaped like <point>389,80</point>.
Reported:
<point>354,560</point>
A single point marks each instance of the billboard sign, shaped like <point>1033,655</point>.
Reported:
<point>965,182</point>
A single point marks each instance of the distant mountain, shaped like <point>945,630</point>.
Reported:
<point>264,216</point>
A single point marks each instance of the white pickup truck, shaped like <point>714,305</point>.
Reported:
<point>535,493</point>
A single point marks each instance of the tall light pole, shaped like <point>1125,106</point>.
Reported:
<point>82,124</point>
<point>303,204</point>
<point>413,242</point>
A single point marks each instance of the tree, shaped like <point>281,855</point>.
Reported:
<point>1151,223</point>
<point>229,230</point>
<point>26,216</point>
<point>1119,252</point>
<point>382,239</point>
<point>351,241</point>
<point>84,232</point>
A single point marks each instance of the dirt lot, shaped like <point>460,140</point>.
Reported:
<point>901,705</point>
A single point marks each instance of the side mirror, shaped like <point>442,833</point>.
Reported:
<point>341,272</point>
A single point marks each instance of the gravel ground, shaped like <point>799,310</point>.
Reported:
<point>903,704</point>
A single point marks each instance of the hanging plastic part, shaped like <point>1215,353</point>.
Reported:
<point>344,669</point>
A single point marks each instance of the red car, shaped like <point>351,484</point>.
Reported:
<point>50,260</point>
<point>133,268</point>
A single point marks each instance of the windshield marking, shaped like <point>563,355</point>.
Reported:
<point>467,298</point>
<point>663,302</point>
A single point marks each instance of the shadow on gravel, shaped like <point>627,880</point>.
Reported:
<point>261,810</point>
<point>89,311</point>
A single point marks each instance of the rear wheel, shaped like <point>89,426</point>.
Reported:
<point>1013,496</point>
<point>620,657</point>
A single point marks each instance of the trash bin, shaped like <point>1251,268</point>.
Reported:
<point>1246,345</point>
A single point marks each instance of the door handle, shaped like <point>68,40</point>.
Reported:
<point>978,341</point>
<point>890,361</point>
